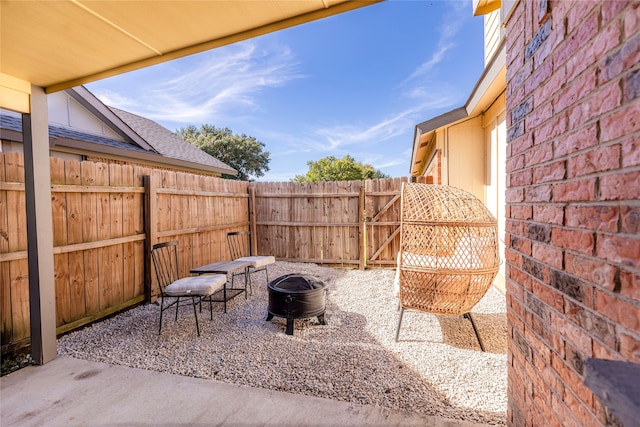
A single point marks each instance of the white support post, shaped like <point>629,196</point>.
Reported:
<point>42,292</point>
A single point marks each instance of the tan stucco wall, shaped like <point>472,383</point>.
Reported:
<point>464,157</point>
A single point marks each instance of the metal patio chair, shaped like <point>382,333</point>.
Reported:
<point>240,250</point>
<point>449,252</point>
<point>195,288</point>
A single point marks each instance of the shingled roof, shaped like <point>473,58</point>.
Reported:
<point>142,139</point>
<point>167,143</point>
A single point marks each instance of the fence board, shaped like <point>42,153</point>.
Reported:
<point>90,234</point>
<point>6,328</point>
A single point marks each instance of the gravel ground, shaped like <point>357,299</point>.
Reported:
<point>436,368</point>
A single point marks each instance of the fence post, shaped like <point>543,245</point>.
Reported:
<point>362,229</point>
<point>150,223</point>
<point>252,221</point>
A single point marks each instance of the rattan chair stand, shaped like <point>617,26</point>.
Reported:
<point>449,252</point>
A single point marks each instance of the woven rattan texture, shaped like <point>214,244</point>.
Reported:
<point>449,249</point>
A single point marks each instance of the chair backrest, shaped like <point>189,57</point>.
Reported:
<point>165,262</point>
<point>449,252</point>
<point>239,244</point>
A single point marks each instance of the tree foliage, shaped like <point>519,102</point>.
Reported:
<point>333,169</point>
<point>243,153</point>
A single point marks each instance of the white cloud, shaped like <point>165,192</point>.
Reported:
<point>451,24</point>
<point>341,136</point>
<point>208,86</point>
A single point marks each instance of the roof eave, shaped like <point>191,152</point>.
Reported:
<point>99,149</point>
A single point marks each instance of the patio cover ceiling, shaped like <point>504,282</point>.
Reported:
<point>61,44</point>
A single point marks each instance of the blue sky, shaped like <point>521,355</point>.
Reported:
<point>355,83</point>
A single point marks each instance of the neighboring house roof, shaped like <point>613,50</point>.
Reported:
<point>143,139</point>
<point>491,83</point>
<point>10,122</point>
<point>168,143</point>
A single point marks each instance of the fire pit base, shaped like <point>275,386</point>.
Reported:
<point>289,329</point>
<point>297,296</point>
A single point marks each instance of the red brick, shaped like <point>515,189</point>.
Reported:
<point>572,334</point>
<point>521,144</point>
<point>601,351</point>
<point>620,123</point>
<point>629,348</point>
<point>521,75</point>
<point>551,214</point>
<point>554,39</point>
<point>618,310</point>
<point>539,115</point>
<point>521,245</point>
<point>549,172</point>
<point>522,278</point>
<point>623,250</point>
<point>539,154</point>
<point>521,178</point>
<point>575,240</point>
<point>598,103</point>
<point>593,270</point>
<point>579,16</point>
<point>515,227</point>
<point>562,414</point>
<point>513,257</point>
<point>630,219</point>
<point>601,218</point>
<point>537,78</point>
<point>616,63</point>
<point>593,323</point>
<point>551,129</point>
<point>580,139</point>
<point>514,163</point>
<point>539,193</point>
<point>514,195</point>
<point>611,8</point>
<point>578,89</point>
<point>547,254</point>
<point>521,212</point>
<point>579,409</point>
<point>575,191</point>
<point>548,295</point>
<point>631,152</point>
<point>632,19</point>
<point>599,160</point>
<point>630,284</point>
<point>622,186</point>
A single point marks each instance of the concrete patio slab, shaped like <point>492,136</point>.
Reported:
<point>73,392</point>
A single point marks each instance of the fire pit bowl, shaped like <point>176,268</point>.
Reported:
<point>297,296</point>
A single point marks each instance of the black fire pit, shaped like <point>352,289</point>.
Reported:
<point>297,296</point>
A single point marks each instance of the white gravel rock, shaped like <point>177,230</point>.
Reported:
<point>436,368</point>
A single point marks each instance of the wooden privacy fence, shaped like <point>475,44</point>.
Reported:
<point>107,216</point>
<point>349,223</point>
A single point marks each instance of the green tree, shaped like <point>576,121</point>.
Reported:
<point>333,169</point>
<point>243,153</point>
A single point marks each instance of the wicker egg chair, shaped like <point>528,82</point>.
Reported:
<point>448,251</point>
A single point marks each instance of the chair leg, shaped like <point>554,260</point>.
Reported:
<point>475,329</point>
<point>195,313</point>
<point>161,312</point>
<point>247,277</point>
<point>177,307</point>
<point>399,323</point>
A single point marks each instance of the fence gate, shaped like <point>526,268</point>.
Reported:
<point>382,226</point>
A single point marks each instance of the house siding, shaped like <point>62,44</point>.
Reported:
<point>492,35</point>
<point>573,174</point>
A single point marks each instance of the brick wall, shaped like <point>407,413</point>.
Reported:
<point>573,209</point>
